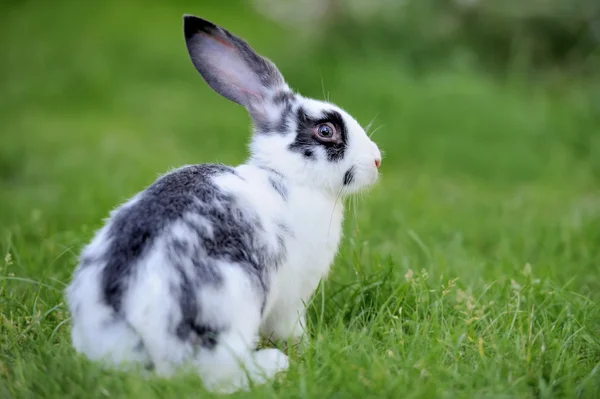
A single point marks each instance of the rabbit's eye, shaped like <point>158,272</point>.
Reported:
<point>325,131</point>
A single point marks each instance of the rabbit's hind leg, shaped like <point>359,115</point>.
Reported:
<point>217,340</point>
<point>232,363</point>
<point>97,331</point>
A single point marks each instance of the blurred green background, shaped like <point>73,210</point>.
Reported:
<point>488,113</point>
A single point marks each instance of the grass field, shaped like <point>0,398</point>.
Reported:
<point>472,270</point>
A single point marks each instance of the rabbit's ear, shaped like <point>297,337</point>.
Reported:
<point>229,65</point>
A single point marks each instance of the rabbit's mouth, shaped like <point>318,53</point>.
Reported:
<point>358,178</point>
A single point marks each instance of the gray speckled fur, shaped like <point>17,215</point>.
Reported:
<point>221,233</point>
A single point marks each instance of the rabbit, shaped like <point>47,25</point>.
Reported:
<point>190,272</point>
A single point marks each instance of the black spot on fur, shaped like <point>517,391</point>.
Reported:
<point>309,154</point>
<point>201,335</point>
<point>284,100</point>
<point>87,260</point>
<point>284,228</point>
<point>279,186</point>
<point>207,336</point>
<point>349,176</point>
<point>306,143</point>
<point>276,180</point>
<point>283,232</point>
<point>284,122</point>
<point>271,170</point>
<point>139,347</point>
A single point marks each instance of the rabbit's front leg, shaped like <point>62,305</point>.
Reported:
<point>286,323</point>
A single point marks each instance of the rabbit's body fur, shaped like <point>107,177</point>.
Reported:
<point>149,324</point>
<point>192,270</point>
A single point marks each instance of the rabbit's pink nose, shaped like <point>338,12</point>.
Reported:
<point>377,163</point>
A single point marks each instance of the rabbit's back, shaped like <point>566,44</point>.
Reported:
<point>138,225</point>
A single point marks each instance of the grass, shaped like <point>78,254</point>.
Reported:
<point>471,270</point>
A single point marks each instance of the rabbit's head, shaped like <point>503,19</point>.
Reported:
<point>311,142</point>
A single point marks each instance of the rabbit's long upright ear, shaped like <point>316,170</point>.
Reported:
<point>229,65</point>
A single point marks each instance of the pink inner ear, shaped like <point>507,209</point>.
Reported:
<point>229,73</point>
<point>231,77</point>
<point>218,39</point>
<point>232,81</point>
<point>254,94</point>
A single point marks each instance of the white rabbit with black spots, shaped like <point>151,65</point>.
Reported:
<point>191,271</point>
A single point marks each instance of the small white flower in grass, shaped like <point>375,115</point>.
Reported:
<point>8,259</point>
<point>461,296</point>
<point>527,269</point>
<point>515,286</point>
<point>420,365</point>
<point>409,275</point>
